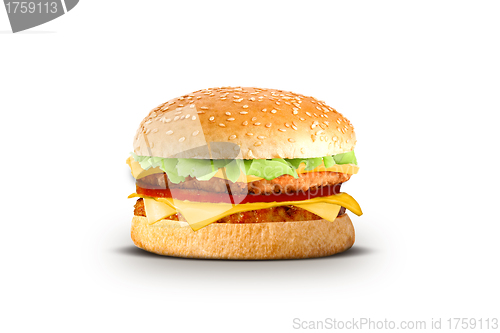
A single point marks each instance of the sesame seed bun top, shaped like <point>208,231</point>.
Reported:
<point>263,123</point>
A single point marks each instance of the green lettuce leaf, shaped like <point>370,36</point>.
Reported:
<point>270,169</point>
<point>193,167</point>
<point>346,158</point>
<point>311,163</point>
<point>329,161</point>
<point>169,167</point>
<point>178,169</point>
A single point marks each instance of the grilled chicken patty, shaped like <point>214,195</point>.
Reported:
<point>275,214</point>
<point>282,184</point>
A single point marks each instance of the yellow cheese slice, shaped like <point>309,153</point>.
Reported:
<point>201,214</point>
<point>138,172</point>
<point>156,211</point>
<point>351,169</point>
<point>326,210</point>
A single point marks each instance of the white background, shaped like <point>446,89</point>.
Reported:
<point>420,81</point>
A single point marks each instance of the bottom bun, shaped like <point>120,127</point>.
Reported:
<point>273,240</point>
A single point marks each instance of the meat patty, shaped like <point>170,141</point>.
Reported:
<point>281,184</point>
<point>275,214</point>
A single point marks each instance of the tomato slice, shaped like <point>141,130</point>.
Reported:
<point>214,197</point>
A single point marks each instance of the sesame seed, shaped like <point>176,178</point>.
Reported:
<point>278,103</point>
<point>294,127</point>
<point>183,116</point>
<point>273,111</point>
<point>243,112</point>
<point>258,144</point>
<point>338,121</point>
<point>282,129</point>
<point>176,118</point>
<point>252,99</point>
<point>223,98</point>
<point>195,133</point>
<point>245,106</point>
<point>317,107</point>
<point>154,130</point>
<point>268,125</point>
<point>309,114</point>
<point>315,115</point>
<point>264,110</point>
<point>192,106</point>
<point>236,96</point>
<point>297,105</point>
<point>147,131</point>
<point>178,112</point>
<point>170,132</point>
<point>222,125</point>
<point>249,134</point>
<point>293,122</point>
<point>182,139</point>
<point>230,119</point>
<point>244,123</point>
<point>168,120</point>
<point>148,122</point>
<point>302,119</point>
<point>262,137</point>
<point>291,140</point>
<point>287,125</point>
<point>232,137</point>
<point>193,118</point>
<point>211,118</point>
<point>228,113</point>
<point>204,108</point>
<point>199,97</point>
<point>256,124</point>
<point>295,112</point>
<point>313,125</point>
<point>254,118</point>
<point>199,112</point>
<point>238,100</point>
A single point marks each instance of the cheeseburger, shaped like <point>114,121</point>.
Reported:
<point>243,173</point>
